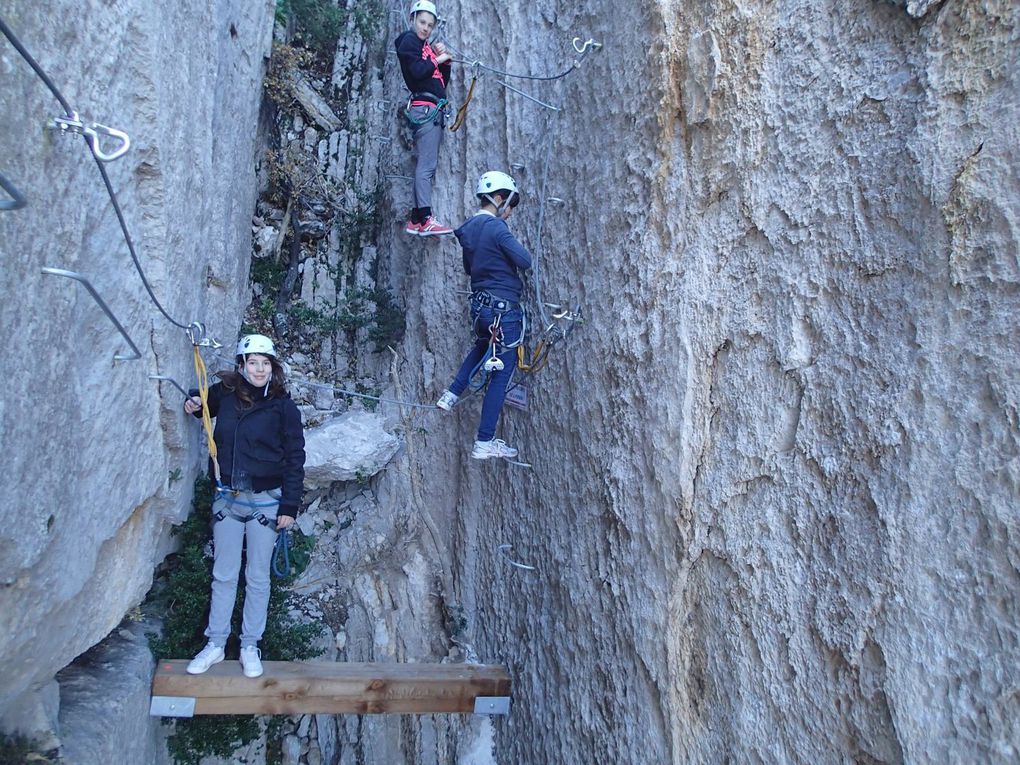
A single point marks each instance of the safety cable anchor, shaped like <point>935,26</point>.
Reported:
<point>72,124</point>
<point>589,43</point>
<point>196,334</point>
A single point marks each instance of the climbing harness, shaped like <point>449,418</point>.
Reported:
<point>430,114</point>
<point>281,548</point>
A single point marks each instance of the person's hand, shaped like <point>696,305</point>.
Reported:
<point>439,48</point>
<point>284,522</point>
<point>443,58</point>
<point>193,404</point>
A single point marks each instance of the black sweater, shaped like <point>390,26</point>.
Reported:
<point>417,64</point>
<point>260,448</point>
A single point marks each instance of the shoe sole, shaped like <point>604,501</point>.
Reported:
<point>435,233</point>
<point>248,674</point>
<point>492,456</point>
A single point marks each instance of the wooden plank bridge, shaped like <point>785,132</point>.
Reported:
<point>288,688</point>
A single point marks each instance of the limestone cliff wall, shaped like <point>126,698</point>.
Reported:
<point>91,448</point>
<point>771,501</point>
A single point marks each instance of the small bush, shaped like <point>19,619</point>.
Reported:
<point>18,750</point>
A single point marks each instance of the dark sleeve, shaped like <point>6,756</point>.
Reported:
<point>464,254</point>
<point>446,70</point>
<point>215,394</point>
<point>293,460</point>
<point>513,249</point>
<point>409,50</point>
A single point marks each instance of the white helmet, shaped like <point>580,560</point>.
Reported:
<point>255,344</point>
<point>423,5</point>
<point>494,181</point>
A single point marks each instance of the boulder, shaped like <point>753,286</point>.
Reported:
<point>354,446</point>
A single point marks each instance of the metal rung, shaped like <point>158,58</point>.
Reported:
<point>492,705</point>
<point>102,304</point>
<point>17,200</point>
<point>172,706</point>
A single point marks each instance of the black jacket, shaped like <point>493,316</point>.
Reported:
<point>260,448</point>
<point>417,64</point>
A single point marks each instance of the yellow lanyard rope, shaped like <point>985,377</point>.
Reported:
<point>538,358</point>
<point>462,111</point>
<point>203,391</point>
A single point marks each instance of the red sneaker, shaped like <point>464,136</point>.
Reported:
<point>432,227</point>
<point>412,228</point>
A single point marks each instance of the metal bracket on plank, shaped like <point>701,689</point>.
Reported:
<point>172,706</point>
<point>492,705</point>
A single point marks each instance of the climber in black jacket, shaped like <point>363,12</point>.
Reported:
<point>426,70</point>
<point>260,448</point>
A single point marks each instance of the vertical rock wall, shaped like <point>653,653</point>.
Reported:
<point>92,449</point>
<point>771,498</point>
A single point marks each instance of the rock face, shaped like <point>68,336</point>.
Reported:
<point>772,499</point>
<point>770,510</point>
<point>93,448</point>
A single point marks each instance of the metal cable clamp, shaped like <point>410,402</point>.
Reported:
<point>72,124</point>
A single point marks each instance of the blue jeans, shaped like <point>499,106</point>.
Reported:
<point>512,324</point>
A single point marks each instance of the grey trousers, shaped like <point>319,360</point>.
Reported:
<point>427,139</point>
<point>228,536</point>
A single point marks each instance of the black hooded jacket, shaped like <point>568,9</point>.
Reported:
<point>261,447</point>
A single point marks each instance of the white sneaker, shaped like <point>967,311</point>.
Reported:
<point>251,661</point>
<point>447,400</point>
<point>497,447</point>
<point>211,654</point>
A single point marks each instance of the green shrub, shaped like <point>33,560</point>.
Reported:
<point>18,750</point>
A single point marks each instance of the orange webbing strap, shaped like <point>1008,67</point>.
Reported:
<point>462,111</point>
<point>203,391</point>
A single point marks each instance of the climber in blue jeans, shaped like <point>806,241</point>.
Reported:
<point>494,260</point>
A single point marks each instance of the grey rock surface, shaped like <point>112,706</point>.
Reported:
<point>353,446</point>
<point>772,501</point>
<point>104,701</point>
<point>100,457</point>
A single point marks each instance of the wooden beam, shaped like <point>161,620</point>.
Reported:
<point>288,688</point>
